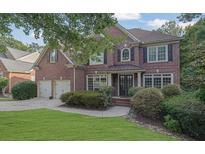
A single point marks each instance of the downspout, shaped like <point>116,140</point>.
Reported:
<point>74,78</point>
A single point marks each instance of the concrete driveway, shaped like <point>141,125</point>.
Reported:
<point>56,104</point>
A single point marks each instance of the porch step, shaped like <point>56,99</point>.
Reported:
<point>121,101</point>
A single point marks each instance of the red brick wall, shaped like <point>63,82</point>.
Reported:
<point>80,79</point>
<point>164,67</point>
<point>57,71</point>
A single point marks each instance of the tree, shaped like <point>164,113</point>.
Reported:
<point>3,84</point>
<point>11,42</point>
<point>34,47</point>
<point>193,56</point>
<point>171,28</point>
<point>81,34</point>
<point>187,17</point>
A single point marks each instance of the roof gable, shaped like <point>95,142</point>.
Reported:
<point>15,53</point>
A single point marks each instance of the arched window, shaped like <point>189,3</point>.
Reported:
<point>125,54</point>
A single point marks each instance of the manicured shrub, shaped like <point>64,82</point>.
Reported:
<point>201,93</point>
<point>189,112</point>
<point>172,124</point>
<point>171,90</point>
<point>147,101</point>
<point>106,92</point>
<point>24,90</point>
<point>3,82</point>
<point>86,99</point>
<point>133,90</point>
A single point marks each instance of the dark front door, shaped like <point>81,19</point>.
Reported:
<point>125,82</point>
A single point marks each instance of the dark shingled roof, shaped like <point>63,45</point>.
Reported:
<point>124,67</point>
<point>151,36</point>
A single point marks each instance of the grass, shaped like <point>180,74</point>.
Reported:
<point>45,124</point>
<point>6,99</point>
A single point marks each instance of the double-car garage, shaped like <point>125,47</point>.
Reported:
<point>48,88</point>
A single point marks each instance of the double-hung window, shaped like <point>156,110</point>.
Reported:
<point>157,53</point>
<point>157,80</point>
<point>95,82</point>
<point>53,56</point>
<point>97,59</point>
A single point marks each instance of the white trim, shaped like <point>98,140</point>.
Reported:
<point>121,54</point>
<point>157,56</point>
<point>93,78</point>
<point>152,76</point>
<point>139,81</point>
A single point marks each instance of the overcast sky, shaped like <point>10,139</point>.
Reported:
<point>148,21</point>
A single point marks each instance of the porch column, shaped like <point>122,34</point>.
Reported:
<point>139,79</point>
<point>109,80</point>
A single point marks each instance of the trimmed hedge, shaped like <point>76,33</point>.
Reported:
<point>188,112</point>
<point>146,102</point>
<point>171,90</point>
<point>24,90</point>
<point>133,90</point>
<point>86,99</point>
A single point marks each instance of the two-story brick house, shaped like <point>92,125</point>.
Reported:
<point>145,58</point>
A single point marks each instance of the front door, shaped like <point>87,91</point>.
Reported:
<point>125,82</point>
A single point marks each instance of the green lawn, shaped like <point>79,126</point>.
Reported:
<point>5,99</point>
<point>44,124</point>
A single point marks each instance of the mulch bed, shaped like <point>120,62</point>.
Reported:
<point>156,125</point>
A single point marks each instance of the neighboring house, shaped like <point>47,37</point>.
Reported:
<point>145,58</point>
<point>17,66</point>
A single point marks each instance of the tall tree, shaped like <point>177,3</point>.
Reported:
<point>34,47</point>
<point>187,17</point>
<point>81,34</point>
<point>171,28</point>
<point>193,56</point>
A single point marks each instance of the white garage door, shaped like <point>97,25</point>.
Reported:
<point>45,88</point>
<point>62,86</point>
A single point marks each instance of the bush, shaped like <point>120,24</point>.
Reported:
<point>172,124</point>
<point>171,90</point>
<point>147,102</point>
<point>133,90</point>
<point>106,92</point>
<point>189,112</point>
<point>3,82</point>
<point>87,99</point>
<point>24,90</point>
<point>201,93</point>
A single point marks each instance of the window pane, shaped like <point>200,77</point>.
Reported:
<point>90,83</point>
<point>157,82</point>
<point>166,81</point>
<point>125,54</point>
<point>161,53</point>
<point>53,56</point>
<point>152,54</point>
<point>97,59</point>
<point>148,82</point>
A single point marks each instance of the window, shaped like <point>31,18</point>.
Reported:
<point>1,74</point>
<point>53,56</point>
<point>95,82</point>
<point>157,80</point>
<point>157,53</point>
<point>125,54</point>
<point>97,59</point>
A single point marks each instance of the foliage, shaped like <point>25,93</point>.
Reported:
<point>106,92</point>
<point>24,90</point>
<point>51,125</point>
<point>172,124</point>
<point>11,42</point>
<point>147,102</point>
<point>73,32</point>
<point>189,112</point>
<point>133,90</point>
<point>34,47</point>
<point>187,17</point>
<point>201,93</point>
<point>171,28</point>
<point>3,82</point>
<point>193,57</point>
<point>171,90</point>
<point>86,99</point>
